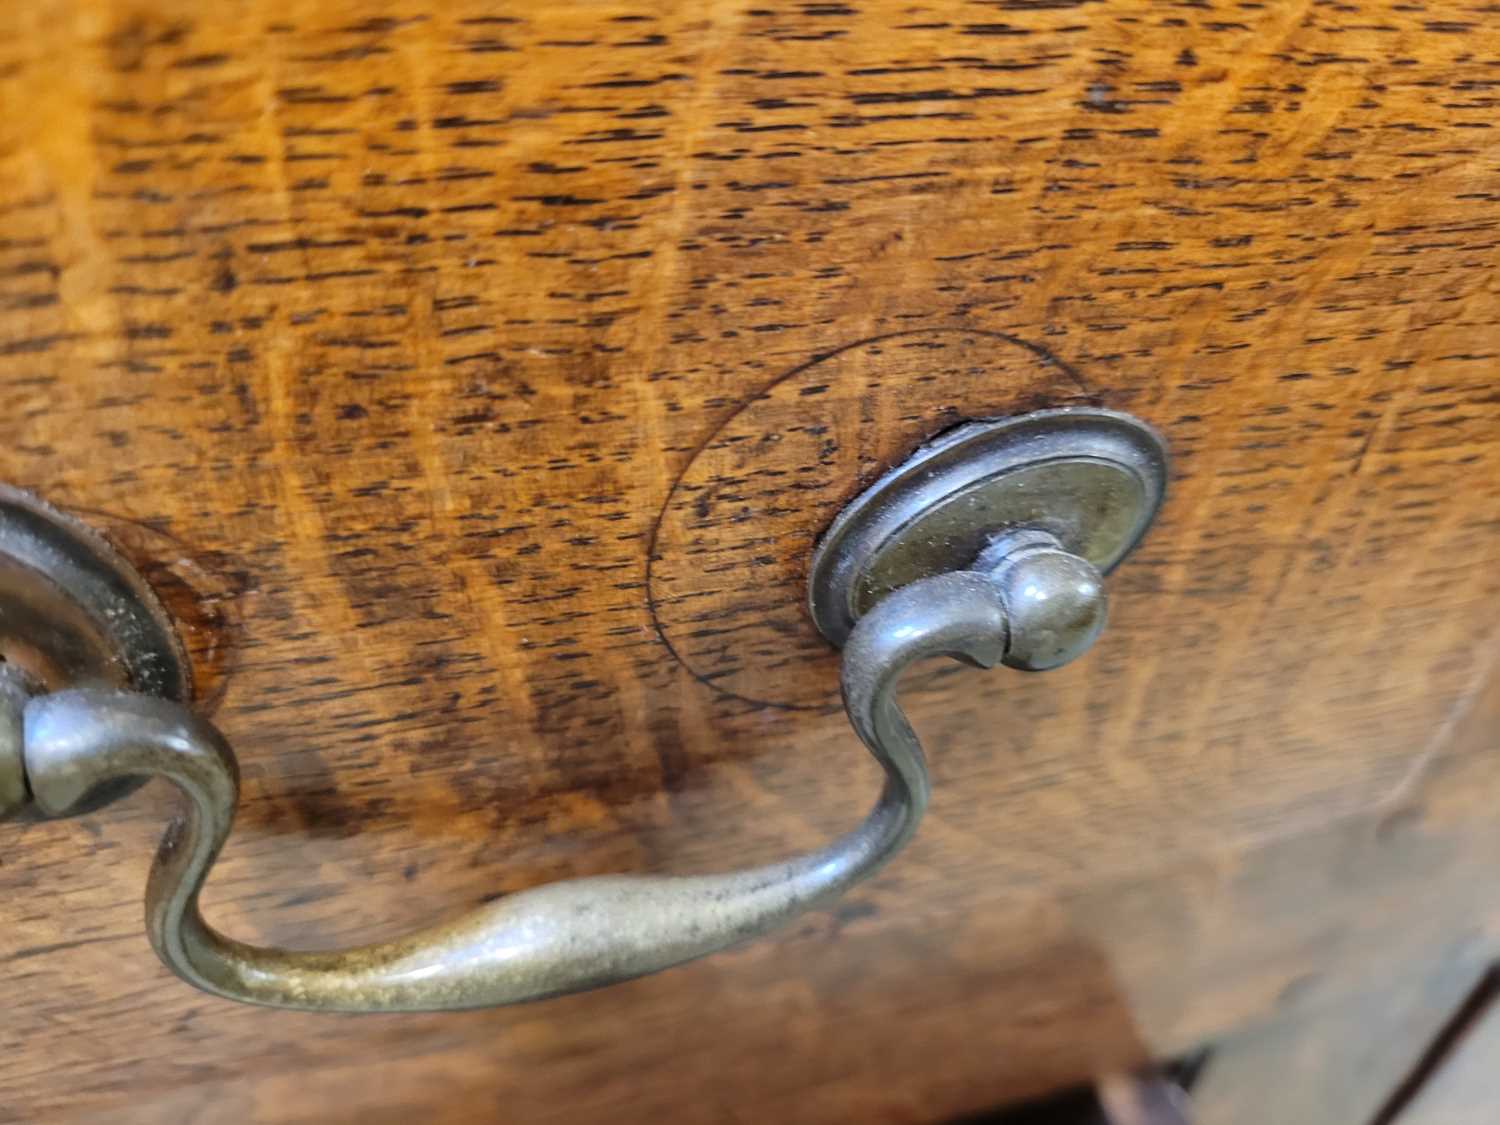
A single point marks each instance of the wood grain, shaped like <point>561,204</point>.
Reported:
<point>426,353</point>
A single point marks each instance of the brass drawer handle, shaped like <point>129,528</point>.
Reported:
<point>1024,598</point>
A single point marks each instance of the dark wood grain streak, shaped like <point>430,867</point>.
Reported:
<point>394,338</point>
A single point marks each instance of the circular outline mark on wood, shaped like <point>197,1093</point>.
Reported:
<point>726,570</point>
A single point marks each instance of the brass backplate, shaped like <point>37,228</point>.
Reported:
<point>73,611</point>
<point>1094,478</point>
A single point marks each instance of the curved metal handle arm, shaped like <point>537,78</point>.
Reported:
<point>554,939</point>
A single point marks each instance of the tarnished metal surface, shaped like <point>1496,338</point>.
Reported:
<point>73,611</point>
<point>554,939</point>
<point>1027,602</point>
<point>1092,478</point>
<point>13,696</point>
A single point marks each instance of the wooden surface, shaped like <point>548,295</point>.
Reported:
<point>474,377</point>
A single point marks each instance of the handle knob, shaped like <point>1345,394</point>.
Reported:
<point>1056,599</point>
<point>1024,598</point>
